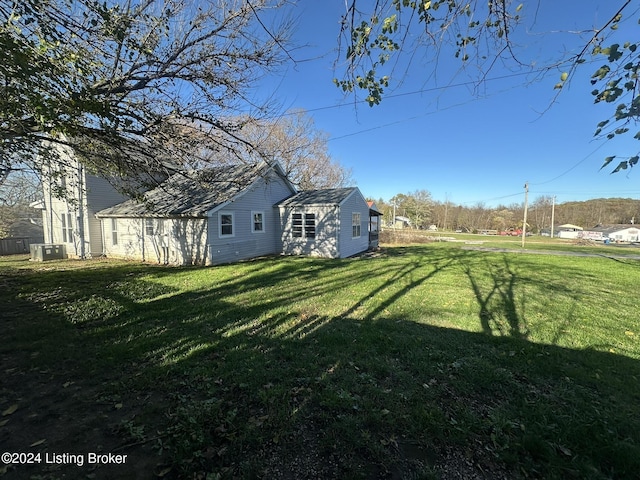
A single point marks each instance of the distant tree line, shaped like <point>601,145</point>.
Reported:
<point>422,212</point>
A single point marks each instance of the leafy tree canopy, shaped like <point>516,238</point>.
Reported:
<point>481,35</point>
<point>119,81</point>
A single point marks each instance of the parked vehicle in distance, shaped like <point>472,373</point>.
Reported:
<point>512,232</point>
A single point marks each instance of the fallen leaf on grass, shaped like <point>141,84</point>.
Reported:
<point>10,410</point>
<point>564,450</point>
<point>163,471</point>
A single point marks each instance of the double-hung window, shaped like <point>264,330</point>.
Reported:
<point>114,231</point>
<point>257,222</point>
<point>67,228</point>
<point>226,224</point>
<point>148,226</point>
<point>355,225</point>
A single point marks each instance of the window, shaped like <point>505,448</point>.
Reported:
<point>303,225</point>
<point>226,225</point>
<point>310,225</point>
<point>114,231</point>
<point>257,222</point>
<point>148,226</point>
<point>67,228</point>
<point>355,224</point>
<point>297,225</point>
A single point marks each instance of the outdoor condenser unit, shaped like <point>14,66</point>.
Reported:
<point>47,251</point>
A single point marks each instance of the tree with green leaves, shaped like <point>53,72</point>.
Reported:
<point>481,35</point>
<point>119,81</point>
<point>416,206</point>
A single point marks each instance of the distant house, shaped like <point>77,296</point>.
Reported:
<point>568,231</point>
<point>401,222</point>
<point>208,217</point>
<point>615,233</point>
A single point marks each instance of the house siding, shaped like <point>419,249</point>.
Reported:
<point>349,246</point>
<point>325,242</point>
<point>99,194</point>
<point>86,194</point>
<point>244,243</point>
<point>56,208</point>
<point>176,241</point>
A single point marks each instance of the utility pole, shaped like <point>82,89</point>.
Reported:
<point>524,223</point>
<point>446,207</point>
<point>553,211</point>
<point>394,215</point>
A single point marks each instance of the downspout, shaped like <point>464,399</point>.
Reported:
<point>104,239</point>
<point>83,253</point>
<point>143,239</point>
<point>50,211</point>
<point>338,230</point>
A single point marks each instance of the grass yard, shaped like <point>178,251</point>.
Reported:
<point>427,361</point>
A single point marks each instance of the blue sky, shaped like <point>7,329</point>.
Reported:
<point>434,132</point>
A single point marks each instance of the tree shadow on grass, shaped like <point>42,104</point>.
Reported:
<point>504,290</point>
<point>207,381</point>
<point>498,307</point>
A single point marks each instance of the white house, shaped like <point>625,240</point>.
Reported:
<point>615,233</point>
<point>70,219</point>
<point>204,217</point>
<point>568,231</point>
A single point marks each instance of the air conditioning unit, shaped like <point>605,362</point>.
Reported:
<point>42,252</point>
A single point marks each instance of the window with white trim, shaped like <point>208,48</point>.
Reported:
<point>67,228</point>
<point>303,225</point>
<point>355,225</point>
<point>114,231</point>
<point>257,222</point>
<point>148,226</point>
<point>226,224</point>
<point>296,225</point>
<point>309,225</point>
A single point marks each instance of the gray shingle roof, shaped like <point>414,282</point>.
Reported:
<point>190,194</point>
<point>327,196</point>
<point>609,229</point>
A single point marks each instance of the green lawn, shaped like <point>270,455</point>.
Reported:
<point>415,363</point>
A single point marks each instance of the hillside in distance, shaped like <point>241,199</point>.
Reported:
<point>598,211</point>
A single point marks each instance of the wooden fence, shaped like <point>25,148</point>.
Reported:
<point>17,245</point>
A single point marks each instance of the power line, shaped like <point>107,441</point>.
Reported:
<point>571,168</point>
<point>489,199</point>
